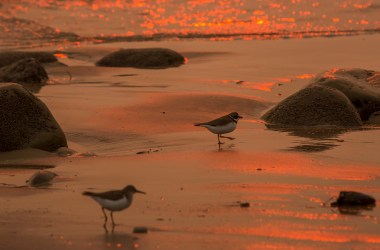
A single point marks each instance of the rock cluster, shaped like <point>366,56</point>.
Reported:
<point>338,97</point>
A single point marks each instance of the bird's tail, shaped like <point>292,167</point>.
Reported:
<point>198,124</point>
<point>87,193</point>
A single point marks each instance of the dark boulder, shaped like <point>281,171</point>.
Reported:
<point>338,97</point>
<point>24,71</point>
<point>26,122</point>
<point>314,106</point>
<point>357,84</point>
<point>10,57</point>
<point>143,58</point>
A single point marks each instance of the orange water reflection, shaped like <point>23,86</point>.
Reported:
<point>296,165</point>
<point>305,76</point>
<point>337,234</point>
<point>207,18</point>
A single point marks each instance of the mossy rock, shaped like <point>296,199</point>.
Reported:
<point>147,58</point>
<point>314,106</point>
<point>26,122</point>
<point>9,57</point>
<point>24,71</point>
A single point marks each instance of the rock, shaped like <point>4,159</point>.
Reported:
<point>140,230</point>
<point>314,106</point>
<point>357,84</point>
<point>24,71</point>
<point>143,58</point>
<point>41,178</point>
<point>374,118</point>
<point>245,204</point>
<point>26,122</point>
<point>352,198</point>
<point>10,57</point>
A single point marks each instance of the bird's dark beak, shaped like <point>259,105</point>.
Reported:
<point>141,192</point>
<point>240,117</point>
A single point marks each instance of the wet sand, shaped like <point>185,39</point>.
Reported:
<point>111,115</point>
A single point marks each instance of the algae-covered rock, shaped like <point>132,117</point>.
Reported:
<point>359,85</point>
<point>24,71</point>
<point>338,97</point>
<point>143,58</point>
<point>26,122</point>
<point>314,106</point>
<point>9,57</point>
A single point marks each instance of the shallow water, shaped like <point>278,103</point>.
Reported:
<point>41,22</point>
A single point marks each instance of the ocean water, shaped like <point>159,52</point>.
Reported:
<point>32,23</point>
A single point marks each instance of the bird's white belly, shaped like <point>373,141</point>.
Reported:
<point>113,205</point>
<point>222,129</point>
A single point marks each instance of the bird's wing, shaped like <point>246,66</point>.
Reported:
<point>221,121</point>
<point>110,195</point>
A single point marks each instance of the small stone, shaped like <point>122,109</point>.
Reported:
<point>352,198</point>
<point>143,152</point>
<point>140,230</point>
<point>244,204</point>
<point>41,178</point>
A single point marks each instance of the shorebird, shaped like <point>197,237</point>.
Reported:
<point>222,125</point>
<point>114,200</point>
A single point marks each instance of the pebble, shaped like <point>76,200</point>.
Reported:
<point>140,230</point>
<point>245,204</point>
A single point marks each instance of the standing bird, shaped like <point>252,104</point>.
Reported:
<point>114,200</point>
<point>222,125</point>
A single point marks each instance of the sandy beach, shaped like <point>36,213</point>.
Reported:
<point>135,126</point>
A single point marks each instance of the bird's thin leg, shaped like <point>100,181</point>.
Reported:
<point>227,137</point>
<point>219,142</point>
<point>113,223</point>
<point>105,219</point>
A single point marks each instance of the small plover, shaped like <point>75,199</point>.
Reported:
<point>114,200</point>
<point>222,125</point>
